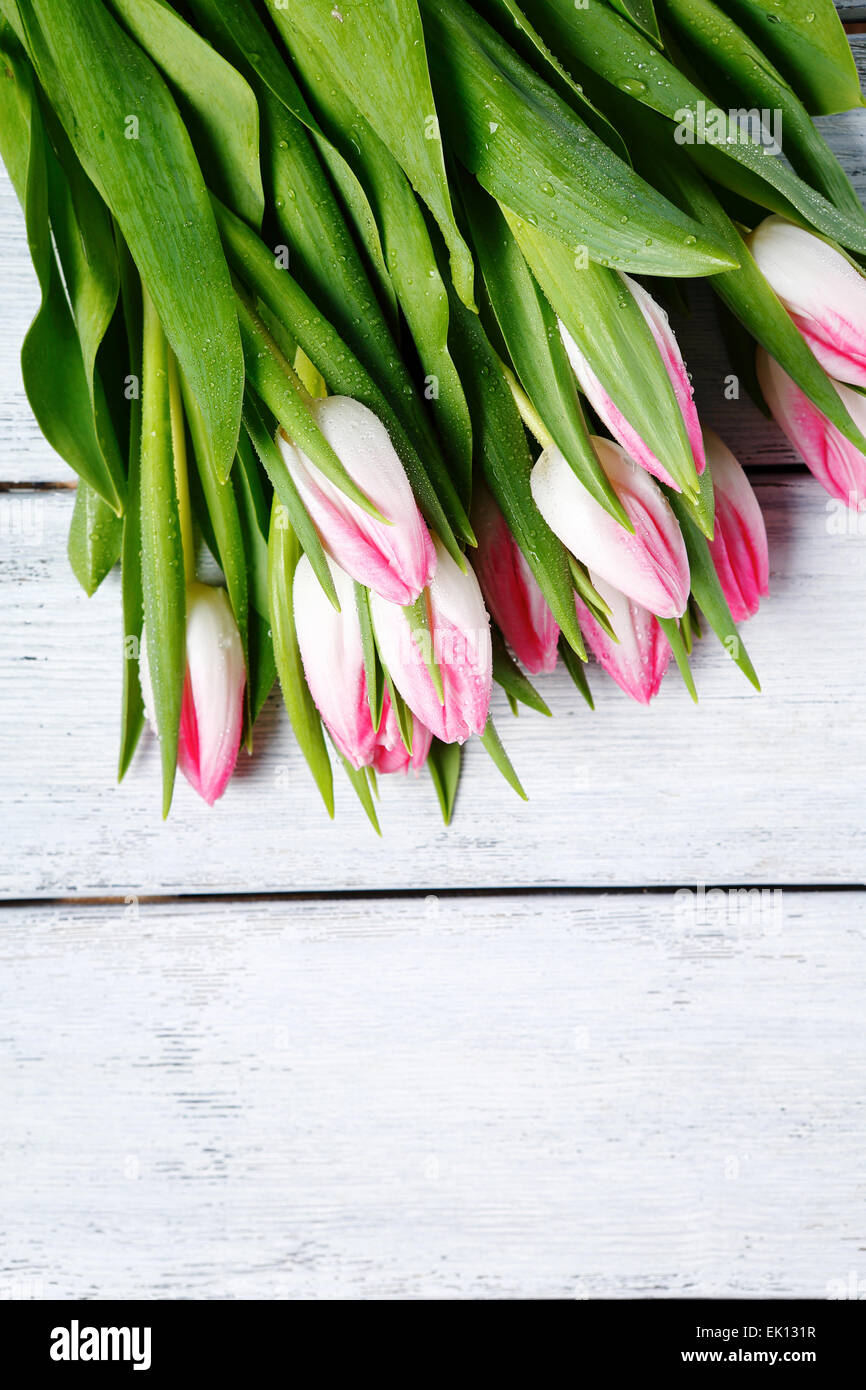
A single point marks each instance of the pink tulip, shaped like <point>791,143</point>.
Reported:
<point>395,560</point>
<point>607,409</point>
<point>739,546</point>
<point>511,590</point>
<point>822,291</point>
<point>211,715</point>
<point>639,659</point>
<point>391,754</point>
<point>333,658</point>
<point>838,464</point>
<point>460,644</point>
<point>650,566</point>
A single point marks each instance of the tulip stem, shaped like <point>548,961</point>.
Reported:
<point>262,332</point>
<point>528,414</point>
<point>181,472</point>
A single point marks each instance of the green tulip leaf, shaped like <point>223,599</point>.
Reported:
<point>217,105</point>
<point>129,137</point>
<point>536,156</point>
<point>577,670</point>
<point>500,759</point>
<point>512,679</point>
<point>343,373</point>
<point>736,71</point>
<point>531,334</point>
<point>807,43</point>
<point>284,552</point>
<point>162,550</point>
<point>60,386</point>
<point>605,321</point>
<point>95,537</point>
<point>444,761</point>
<point>599,41</point>
<point>374,51</point>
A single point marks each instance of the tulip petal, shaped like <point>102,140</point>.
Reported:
<point>739,546</point>
<point>395,560</point>
<point>650,566</point>
<point>460,633</point>
<point>212,710</point>
<point>669,348</point>
<point>391,754</point>
<point>511,590</point>
<point>333,657</point>
<point>822,291</point>
<point>609,412</point>
<point>640,658</point>
<point>835,462</point>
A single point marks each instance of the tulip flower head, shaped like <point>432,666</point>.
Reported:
<point>838,464</point>
<point>395,560</point>
<point>333,658</point>
<point>511,590</point>
<point>391,754</point>
<point>640,657</point>
<point>211,716</point>
<point>651,566</point>
<point>739,544</point>
<point>460,644</point>
<point>822,291</point>
<point>608,411</point>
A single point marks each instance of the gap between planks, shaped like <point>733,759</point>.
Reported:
<point>408,894</point>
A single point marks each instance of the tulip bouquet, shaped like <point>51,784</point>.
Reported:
<point>363,300</point>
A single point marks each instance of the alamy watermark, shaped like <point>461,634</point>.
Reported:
<point>22,517</point>
<point>711,125</point>
<point>732,911</point>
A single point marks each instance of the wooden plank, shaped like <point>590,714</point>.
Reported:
<point>25,457</point>
<point>536,1096</point>
<point>745,788</point>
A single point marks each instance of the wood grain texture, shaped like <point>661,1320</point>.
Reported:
<point>26,457</point>
<point>745,788</point>
<point>555,1095</point>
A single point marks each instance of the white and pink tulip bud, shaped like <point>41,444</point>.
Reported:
<point>212,711</point>
<point>458,641</point>
<point>822,291</point>
<point>608,411</point>
<point>391,754</point>
<point>650,566</point>
<point>640,657</point>
<point>739,544</point>
<point>395,560</point>
<point>333,658</point>
<point>511,590</point>
<point>839,465</point>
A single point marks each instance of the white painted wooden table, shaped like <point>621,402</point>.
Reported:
<point>253,1054</point>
